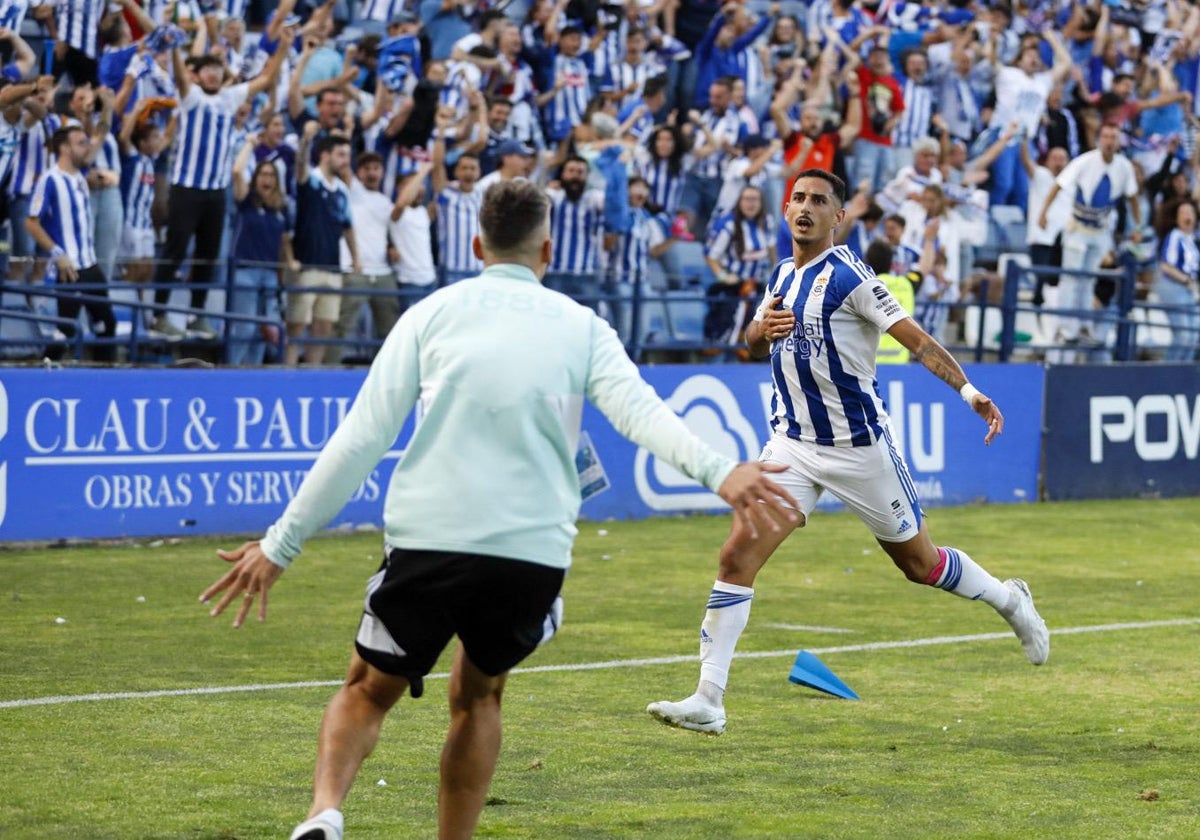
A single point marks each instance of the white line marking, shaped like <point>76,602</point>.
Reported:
<point>809,628</point>
<point>596,666</point>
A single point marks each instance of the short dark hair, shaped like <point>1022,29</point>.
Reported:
<point>325,91</point>
<point>62,136</point>
<point>879,256</point>
<point>329,142</point>
<point>367,157</point>
<point>654,85</point>
<point>898,219</point>
<point>199,62</point>
<point>839,186</point>
<point>512,212</point>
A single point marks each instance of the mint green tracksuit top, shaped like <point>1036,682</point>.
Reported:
<point>497,368</point>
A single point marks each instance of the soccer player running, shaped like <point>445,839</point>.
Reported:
<point>479,514</point>
<point>820,322</point>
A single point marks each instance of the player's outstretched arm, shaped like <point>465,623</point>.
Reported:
<point>938,361</point>
<point>757,501</point>
<point>252,575</point>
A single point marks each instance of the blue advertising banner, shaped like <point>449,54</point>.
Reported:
<point>154,452</point>
<point>98,454</point>
<point>1115,431</point>
<point>729,406</point>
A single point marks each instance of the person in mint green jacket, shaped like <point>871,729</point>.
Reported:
<point>479,516</point>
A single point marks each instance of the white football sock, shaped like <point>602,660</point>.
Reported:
<point>959,574</point>
<point>728,612</point>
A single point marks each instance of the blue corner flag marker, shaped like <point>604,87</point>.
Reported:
<point>810,671</point>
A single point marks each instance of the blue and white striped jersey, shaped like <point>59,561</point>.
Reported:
<point>137,190</point>
<point>727,128</point>
<point>665,189</point>
<point>1180,250</point>
<point>457,224</point>
<point>753,262</point>
<point>567,107</point>
<point>575,227</point>
<point>62,204</point>
<point>204,155</point>
<point>380,10</point>
<point>823,374</point>
<point>633,252</point>
<point>12,14</point>
<point>8,148</point>
<point>623,75</point>
<point>30,158</point>
<point>919,109</point>
<point>79,24</point>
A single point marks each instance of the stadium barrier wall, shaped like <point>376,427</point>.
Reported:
<point>132,453</point>
<point>1122,431</point>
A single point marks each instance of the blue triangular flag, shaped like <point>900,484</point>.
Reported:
<point>810,671</point>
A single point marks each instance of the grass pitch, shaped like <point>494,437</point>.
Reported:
<point>953,740</point>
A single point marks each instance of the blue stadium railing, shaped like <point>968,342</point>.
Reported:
<point>659,322</point>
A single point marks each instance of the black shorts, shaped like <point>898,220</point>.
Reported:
<point>418,600</point>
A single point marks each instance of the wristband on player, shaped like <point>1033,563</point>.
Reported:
<point>968,392</point>
<point>57,252</point>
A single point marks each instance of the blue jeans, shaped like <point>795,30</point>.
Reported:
<point>255,292</point>
<point>700,194</point>
<point>873,162</point>
<point>1010,184</point>
<point>23,245</point>
<point>108,220</point>
<point>1183,315</point>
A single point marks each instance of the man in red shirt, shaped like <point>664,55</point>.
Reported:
<point>817,144</point>
<point>882,104</point>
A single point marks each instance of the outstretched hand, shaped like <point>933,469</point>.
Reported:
<point>759,501</point>
<point>987,409</point>
<point>252,575</point>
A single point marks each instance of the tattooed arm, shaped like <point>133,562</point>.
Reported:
<point>938,361</point>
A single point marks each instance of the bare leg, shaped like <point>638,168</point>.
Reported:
<point>472,748</point>
<point>315,354</point>
<point>350,729</point>
<point>291,352</point>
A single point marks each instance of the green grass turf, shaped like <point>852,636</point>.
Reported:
<point>949,741</point>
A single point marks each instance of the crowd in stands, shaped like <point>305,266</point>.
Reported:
<point>284,153</point>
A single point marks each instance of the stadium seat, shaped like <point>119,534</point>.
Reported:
<point>687,266</point>
<point>18,329</point>
<point>685,313</point>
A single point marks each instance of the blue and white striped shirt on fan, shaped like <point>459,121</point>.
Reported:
<point>824,372</point>
<point>79,24</point>
<point>665,189</point>
<point>12,13</point>
<point>204,155</point>
<point>109,156</point>
<point>137,190</point>
<point>633,252</point>
<point>575,228</point>
<point>62,205</point>
<point>457,224</point>
<point>754,260</point>
<point>380,10</point>
<point>30,158</point>
<point>727,128</point>
<point>918,111</point>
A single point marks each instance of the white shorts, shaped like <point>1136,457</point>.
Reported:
<point>137,243</point>
<point>872,481</point>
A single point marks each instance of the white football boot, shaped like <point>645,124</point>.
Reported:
<point>693,713</point>
<point>1027,624</point>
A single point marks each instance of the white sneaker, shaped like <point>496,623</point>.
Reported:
<point>317,829</point>
<point>694,713</point>
<point>1027,624</point>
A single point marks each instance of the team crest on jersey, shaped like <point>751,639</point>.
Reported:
<point>821,281</point>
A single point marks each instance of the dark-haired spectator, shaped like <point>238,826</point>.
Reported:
<point>1176,285</point>
<point>371,210</point>
<point>646,240</point>
<point>201,176</point>
<point>719,131</point>
<point>638,111</point>
<point>576,227</point>
<point>322,221</point>
<point>261,244</point>
<point>572,87</point>
<point>411,231</point>
<point>457,209</point>
<point>141,142</point>
<point>726,49</point>
<point>59,221</point>
<point>664,163</point>
<point>740,252</point>
<point>882,107</point>
<point>917,91</point>
<point>34,127</point>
